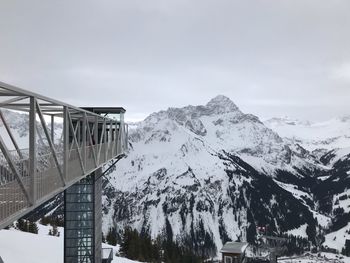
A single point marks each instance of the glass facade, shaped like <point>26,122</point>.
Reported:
<point>83,235</point>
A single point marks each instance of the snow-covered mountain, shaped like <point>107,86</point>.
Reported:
<point>211,173</point>
<point>203,175</point>
<point>329,141</point>
<point>329,135</point>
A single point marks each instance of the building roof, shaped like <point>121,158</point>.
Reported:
<point>234,247</point>
<point>104,110</point>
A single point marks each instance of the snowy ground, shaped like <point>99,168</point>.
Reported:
<point>320,258</point>
<point>20,247</point>
<point>337,239</point>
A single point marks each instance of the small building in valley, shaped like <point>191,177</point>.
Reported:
<point>233,252</point>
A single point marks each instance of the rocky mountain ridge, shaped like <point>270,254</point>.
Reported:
<point>207,174</point>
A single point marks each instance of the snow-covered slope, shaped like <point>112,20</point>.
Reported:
<point>329,141</point>
<point>22,247</point>
<point>334,199</point>
<point>312,258</point>
<point>211,173</point>
<point>337,239</point>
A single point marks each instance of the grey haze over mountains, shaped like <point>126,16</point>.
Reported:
<point>274,58</point>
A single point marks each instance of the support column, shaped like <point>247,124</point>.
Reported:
<point>32,150</point>
<point>83,145</point>
<point>65,142</point>
<point>83,220</point>
<point>53,129</point>
<point>98,215</point>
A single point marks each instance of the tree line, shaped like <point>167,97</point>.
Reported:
<point>30,226</point>
<point>140,247</point>
<point>27,226</point>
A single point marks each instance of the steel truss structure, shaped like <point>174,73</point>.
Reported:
<point>63,144</point>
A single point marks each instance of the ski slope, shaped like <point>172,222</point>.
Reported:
<point>22,247</point>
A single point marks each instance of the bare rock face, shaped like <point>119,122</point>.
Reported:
<point>196,126</point>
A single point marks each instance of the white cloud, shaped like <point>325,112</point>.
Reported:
<point>269,57</point>
<point>342,73</point>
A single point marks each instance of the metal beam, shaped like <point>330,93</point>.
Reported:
<point>75,131</point>
<point>92,144</point>
<point>8,102</point>
<point>28,104</point>
<point>115,141</point>
<point>33,150</point>
<point>15,91</point>
<point>10,134</point>
<point>84,139</point>
<point>65,134</point>
<point>76,142</point>
<point>14,170</point>
<point>53,129</point>
<point>54,154</point>
<point>101,142</point>
<point>7,93</point>
<point>15,108</point>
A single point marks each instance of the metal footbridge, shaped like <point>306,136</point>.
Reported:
<point>47,146</point>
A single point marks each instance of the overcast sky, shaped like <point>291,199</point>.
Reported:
<point>271,57</point>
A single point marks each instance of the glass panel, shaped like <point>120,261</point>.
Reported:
<point>79,222</point>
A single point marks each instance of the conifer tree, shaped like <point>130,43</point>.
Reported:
<point>54,231</point>
<point>22,225</point>
<point>140,247</point>
<point>111,237</point>
<point>33,227</point>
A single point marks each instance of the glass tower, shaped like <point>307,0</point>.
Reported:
<point>83,220</point>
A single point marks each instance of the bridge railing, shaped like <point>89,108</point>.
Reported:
<point>58,145</point>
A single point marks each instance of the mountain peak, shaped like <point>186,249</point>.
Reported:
<point>216,106</point>
<point>222,104</point>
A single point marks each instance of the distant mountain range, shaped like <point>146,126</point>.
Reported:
<point>203,175</point>
<point>211,173</point>
<point>331,134</point>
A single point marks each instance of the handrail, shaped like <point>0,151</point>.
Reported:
<point>22,92</point>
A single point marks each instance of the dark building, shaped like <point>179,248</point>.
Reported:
<point>233,252</point>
